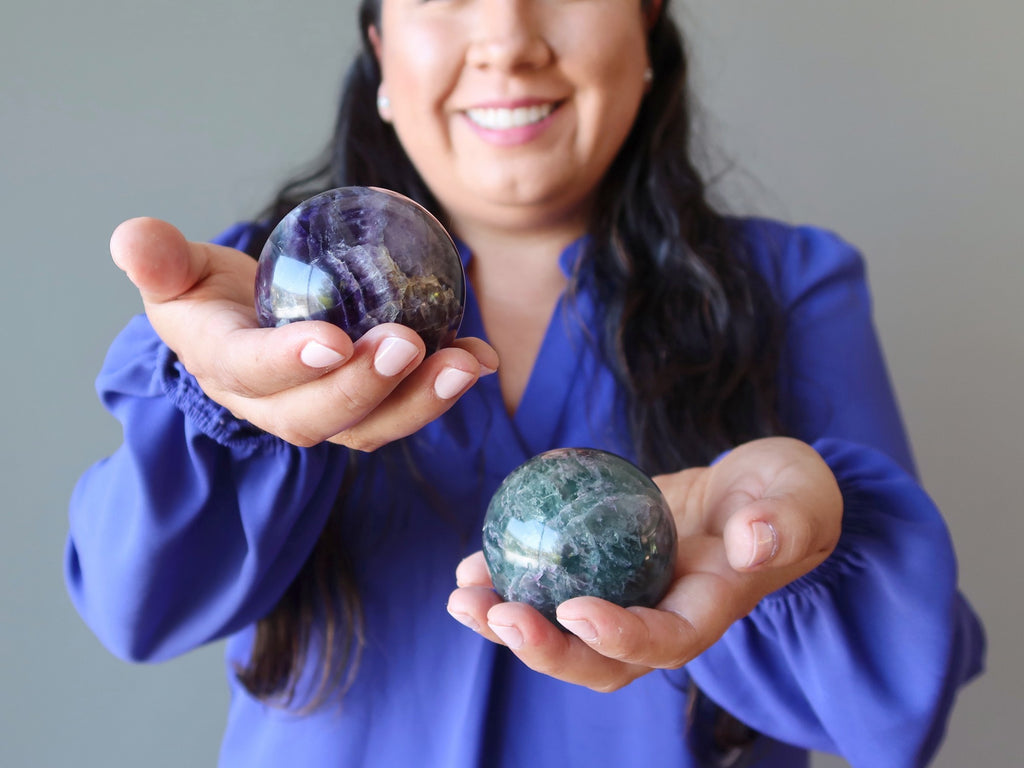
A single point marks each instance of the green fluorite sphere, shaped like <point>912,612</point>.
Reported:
<point>579,521</point>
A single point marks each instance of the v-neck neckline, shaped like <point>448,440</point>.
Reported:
<point>559,359</point>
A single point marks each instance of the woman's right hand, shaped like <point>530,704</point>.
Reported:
<point>305,382</point>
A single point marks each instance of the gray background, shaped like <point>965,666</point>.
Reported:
<point>897,124</point>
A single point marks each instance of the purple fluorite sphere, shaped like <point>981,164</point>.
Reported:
<point>358,257</point>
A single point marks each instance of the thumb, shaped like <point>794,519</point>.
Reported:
<point>751,535</point>
<point>776,533</point>
<point>157,258</point>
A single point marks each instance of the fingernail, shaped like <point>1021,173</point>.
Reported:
<point>450,382</point>
<point>766,543</point>
<point>466,620</point>
<point>582,628</point>
<point>393,356</point>
<point>510,636</point>
<point>316,355</point>
<point>486,370</point>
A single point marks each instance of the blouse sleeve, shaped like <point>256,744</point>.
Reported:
<point>196,525</point>
<point>863,656</point>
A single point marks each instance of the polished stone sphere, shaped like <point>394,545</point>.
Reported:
<point>579,521</point>
<point>358,257</point>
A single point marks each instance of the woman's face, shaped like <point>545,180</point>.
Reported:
<point>512,110</point>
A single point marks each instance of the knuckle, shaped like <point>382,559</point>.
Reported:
<point>625,647</point>
<point>194,367</point>
<point>291,436</point>
<point>356,400</point>
<point>357,441</point>
<point>833,532</point>
<point>220,374</point>
<point>676,660</point>
<point>680,649</point>
<point>302,441</point>
<point>277,423</point>
<point>555,667</point>
<point>631,642</point>
<point>607,686</point>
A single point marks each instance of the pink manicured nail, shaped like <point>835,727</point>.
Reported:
<point>393,356</point>
<point>582,628</point>
<point>766,543</point>
<point>450,382</point>
<point>510,636</point>
<point>316,355</point>
<point>466,620</point>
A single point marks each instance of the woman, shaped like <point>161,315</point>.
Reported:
<point>308,497</point>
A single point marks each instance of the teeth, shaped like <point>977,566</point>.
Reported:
<point>501,119</point>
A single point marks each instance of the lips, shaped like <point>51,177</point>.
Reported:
<point>505,118</point>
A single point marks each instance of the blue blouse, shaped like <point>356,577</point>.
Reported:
<point>192,530</point>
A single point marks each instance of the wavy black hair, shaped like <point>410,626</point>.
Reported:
<point>690,328</point>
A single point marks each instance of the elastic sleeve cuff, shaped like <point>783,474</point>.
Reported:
<point>213,420</point>
<point>846,559</point>
<point>860,472</point>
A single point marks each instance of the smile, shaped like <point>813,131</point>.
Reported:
<point>498,119</point>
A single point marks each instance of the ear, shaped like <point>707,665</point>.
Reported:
<point>651,10</point>
<point>383,102</point>
<point>374,37</point>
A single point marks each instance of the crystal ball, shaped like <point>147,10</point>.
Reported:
<point>579,521</point>
<point>358,257</point>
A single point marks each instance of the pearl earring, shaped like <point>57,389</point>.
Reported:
<point>648,76</point>
<point>383,102</point>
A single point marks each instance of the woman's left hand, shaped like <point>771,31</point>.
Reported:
<point>766,514</point>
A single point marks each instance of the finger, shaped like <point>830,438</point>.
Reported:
<point>195,295</point>
<point>482,351</point>
<point>378,394</point>
<point>536,641</point>
<point>473,572</point>
<point>545,648</point>
<point>421,397</point>
<point>258,362</point>
<point>164,266</point>
<point>777,506</point>
<point>340,399</point>
<point>695,613</point>
<point>469,606</point>
<point>156,257</point>
<point>685,492</point>
<point>642,637</point>
<point>611,646</point>
<point>475,596</point>
<point>778,533</point>
<point>217,342</point>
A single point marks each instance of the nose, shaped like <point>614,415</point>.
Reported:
<point>508,35</point>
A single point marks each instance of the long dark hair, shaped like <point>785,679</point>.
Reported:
<point>690,328</point>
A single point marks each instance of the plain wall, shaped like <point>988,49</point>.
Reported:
<point>897,124</point>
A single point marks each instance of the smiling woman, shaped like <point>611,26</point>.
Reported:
<point>314,498</point>
<point>557,85</point>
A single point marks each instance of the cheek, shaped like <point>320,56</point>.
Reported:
<point>418,63</point>
<point>606,58</point>
<point>610,104</point>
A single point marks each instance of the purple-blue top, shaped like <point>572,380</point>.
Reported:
<point>195,526</point>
